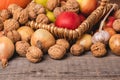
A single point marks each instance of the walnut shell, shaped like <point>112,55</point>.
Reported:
<point>117,14</point>
<point>21,47</point>
<point>98,49</point>
<point>42,18</point>
<point>76,49</point>
<point>72,5</point>
<point>116,25</point>
<point>21,16</point>
<point>13,7</point>
<point>11,24</point>
<point>56,51</point>
<point>63,42</point>
<point>5,14</point>
<point>34,9</point>
<point>57,11</point>
<point>1,24</point>
<point>34,54</point>
<point>51,4</point>
<point>13,35</point>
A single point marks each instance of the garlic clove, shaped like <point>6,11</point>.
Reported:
<point>101,36</point>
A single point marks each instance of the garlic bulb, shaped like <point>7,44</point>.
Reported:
<point>101,36</point>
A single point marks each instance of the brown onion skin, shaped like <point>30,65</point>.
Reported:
<point>114,44</point>
<point>43,39</point>
<point>6,50</point>
<point>25,32</point>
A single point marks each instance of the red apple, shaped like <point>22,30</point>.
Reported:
<point>110,21</point>
<point>82,17</point>
<point>69,20</point>
<point>87,6</point>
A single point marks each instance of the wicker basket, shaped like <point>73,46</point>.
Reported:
<point>91,20</point>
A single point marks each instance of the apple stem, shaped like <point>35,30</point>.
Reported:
<point>103,21</point>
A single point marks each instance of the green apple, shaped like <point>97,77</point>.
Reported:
<point>50,15</point>
<point>42,2</point>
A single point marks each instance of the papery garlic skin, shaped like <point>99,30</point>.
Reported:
<point>101,36</point>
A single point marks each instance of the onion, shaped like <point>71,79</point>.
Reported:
<point>6,50</point>
<point>25,32</point>
<point>111,31</point>
<point>114,44</point>
<point>42,39</point>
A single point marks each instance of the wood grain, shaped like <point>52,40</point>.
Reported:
<point>85,67</point>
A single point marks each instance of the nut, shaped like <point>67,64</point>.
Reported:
<point>13,35</point>
<point>57,11</point>
<point>42,18</point>
<point>13,7</point>
<point>1,24</point>
<point>51,4</point>
<point>21,16</point>
<point>34,9</point>
<point>63,42</point>
<point>76,49</point>
<point>34,54</point>
<point>116,25</point>
<point>56,51</point>
<point>72,5</point>
<point>21,47</point>
<point>98,49</point>
<point>117,14</point>
<point>11,24</point>
<point>5,14</point>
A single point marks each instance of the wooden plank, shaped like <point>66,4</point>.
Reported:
<point>85,67</point>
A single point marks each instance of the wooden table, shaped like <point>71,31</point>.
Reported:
<point>85,67</point>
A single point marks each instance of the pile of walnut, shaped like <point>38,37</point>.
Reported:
<point>16,17</point>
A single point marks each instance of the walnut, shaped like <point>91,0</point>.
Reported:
<point>56,51</point>
<point>72,5</point>
<point>117,14</point>
<point>13,7</point>
<point>21,47</point>
<point>2,33</point>
<point>21,16</point>
<point>57,11</point>
<point>1,24</point>
<point>5,14</point>
<point>13,35</point>
<point>51,4</point>
<point>76,49</point>
<point>98,49</point>
<point>63,42</point>
<point>42,18</point>
<point>116,25</point>
<point>62,3</point>
<point>34,9</point>
<point>11,24</point>
<point>34,54</point>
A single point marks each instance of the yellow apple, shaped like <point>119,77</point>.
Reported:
<point>42,2</point>
<point>87,6</point>
<point>50,15</point>
<point>85,41</point>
